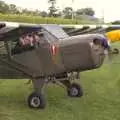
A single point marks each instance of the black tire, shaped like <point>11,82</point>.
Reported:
<point>116,51</point>
<point>36,101</point>
<point>75,90</point>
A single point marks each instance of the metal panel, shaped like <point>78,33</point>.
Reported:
<point>77,53</point>
<point>38,62</point>
<point>7,72</point>
<point>56,30</point>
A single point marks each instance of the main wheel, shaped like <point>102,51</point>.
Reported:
<point>36,101</point>
<point>115,51</point>
<point>75,90</point>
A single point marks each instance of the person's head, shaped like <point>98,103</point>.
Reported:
<point>105,43</point>
<point>101,41</point>
<point>22,36</point>
<point>96,41</point>
<point>30,35</point>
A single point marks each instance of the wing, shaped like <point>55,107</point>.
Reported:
<point>85,29</point>
<point>13,30</point>
<point>112,32</point>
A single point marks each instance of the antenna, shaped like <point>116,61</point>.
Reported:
<point>72,9</point>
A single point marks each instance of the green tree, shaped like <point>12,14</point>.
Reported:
<point>26,11</point>
<point>43,14</point>
<point>67,12</point>
<point>116,22</point>
<point>36,12</point>
<point>85,11</point>
<point>4,8</point>
<point>52,8</point>
<point>13,9</point>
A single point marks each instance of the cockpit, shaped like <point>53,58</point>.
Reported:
<point>23,38</point>
<point>27,42</point>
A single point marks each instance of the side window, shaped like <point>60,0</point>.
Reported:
<point>48,37</point>
<point>3,50</point>
<point>14,46</point>
<point>26,42</point>
<point>42,39</point>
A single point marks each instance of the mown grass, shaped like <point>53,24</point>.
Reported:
<point>101,100</point>
<point>41,20</point>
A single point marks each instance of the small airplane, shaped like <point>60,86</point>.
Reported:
<point>113,36</point>
<point>45,53</point>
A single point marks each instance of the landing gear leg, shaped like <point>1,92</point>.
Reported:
<point>73,89</point>
<point>37,98</point>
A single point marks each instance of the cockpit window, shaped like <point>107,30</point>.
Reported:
<point>56,30</point>
<point>26,42</point>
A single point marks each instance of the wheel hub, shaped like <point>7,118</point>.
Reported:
<point>35,102</point>
<point>74,91</point>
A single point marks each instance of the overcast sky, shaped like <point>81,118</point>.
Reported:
<point>111,8</point>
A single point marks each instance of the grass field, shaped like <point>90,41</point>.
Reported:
<point>101,100</point>
<point>41,20</point>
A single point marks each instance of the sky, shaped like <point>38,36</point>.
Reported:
<point>107,8</point>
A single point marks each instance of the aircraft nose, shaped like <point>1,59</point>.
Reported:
<point>98,49</point>
<point>98,54</point>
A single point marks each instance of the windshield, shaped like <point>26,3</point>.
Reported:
<point>56,30</point>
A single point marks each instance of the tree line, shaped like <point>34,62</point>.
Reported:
<point>53,11</point>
